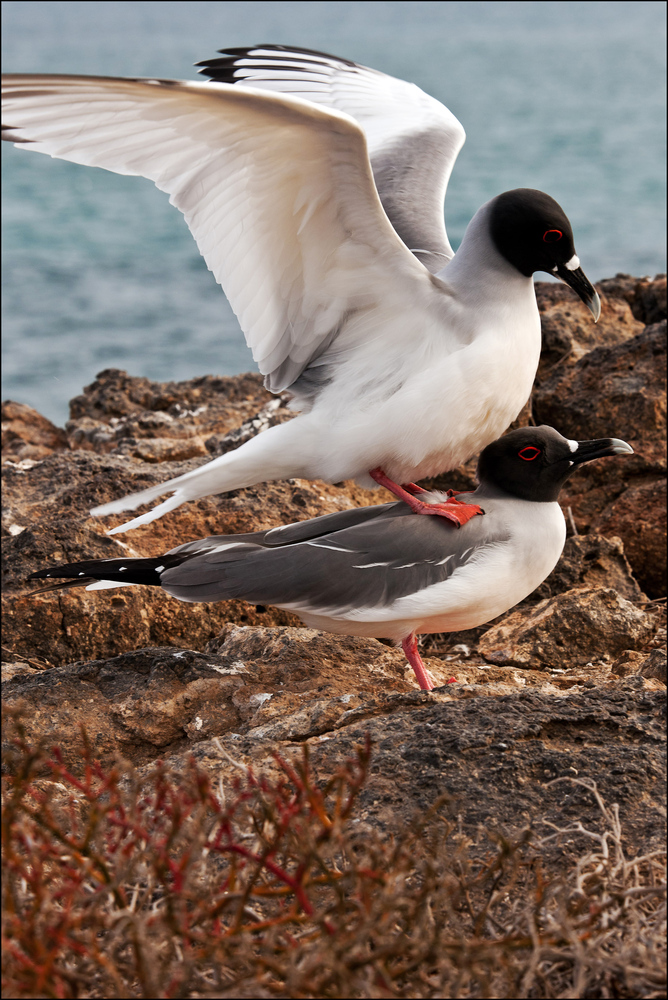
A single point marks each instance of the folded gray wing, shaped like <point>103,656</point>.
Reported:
<point>367,565</point>
<point>413,139</point>
<point>316,527</point>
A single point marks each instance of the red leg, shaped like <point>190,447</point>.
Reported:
<point>412,488</point>
<point>454,510</point>
<point>410,648</point>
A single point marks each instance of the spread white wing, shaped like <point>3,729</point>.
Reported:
<point>413,139</point>
<point>277,192</point>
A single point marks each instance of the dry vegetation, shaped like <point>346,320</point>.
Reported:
<point>166,885</point>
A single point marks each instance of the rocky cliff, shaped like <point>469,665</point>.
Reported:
<point>570,683</point>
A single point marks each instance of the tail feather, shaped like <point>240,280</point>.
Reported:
<point>113,571</point>
<point>275,453</point>
<point>62,585</point>
<point>134,500</point>
<point>151,515</point>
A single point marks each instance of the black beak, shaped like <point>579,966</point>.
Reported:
<point>588,450</point>
<point>580,284</point>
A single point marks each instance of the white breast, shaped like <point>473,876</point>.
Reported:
<point>497,577</point>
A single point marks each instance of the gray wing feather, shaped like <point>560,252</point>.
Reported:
<point>301,531</point>
<point>368,564</point>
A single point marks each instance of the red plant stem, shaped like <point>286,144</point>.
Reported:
<point>275,870</point>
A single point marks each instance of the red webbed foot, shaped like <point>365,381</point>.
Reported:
<point>456,511</point>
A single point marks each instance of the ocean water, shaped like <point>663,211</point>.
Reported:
<point>100,271</point>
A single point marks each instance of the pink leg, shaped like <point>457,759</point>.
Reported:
<point>454,510</point>
<point>410,648</point>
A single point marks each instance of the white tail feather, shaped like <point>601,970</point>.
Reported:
<point>262,459</point>
<point>131,501</point>
<point>151,515</point>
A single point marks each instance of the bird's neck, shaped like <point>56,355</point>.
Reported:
<point>479,273</point>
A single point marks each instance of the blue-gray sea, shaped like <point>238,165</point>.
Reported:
<point>100,271</point>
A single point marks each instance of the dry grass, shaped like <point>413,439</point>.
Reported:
<point>117,885</point>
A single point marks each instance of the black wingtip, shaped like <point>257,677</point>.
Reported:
<point>10,133</point>
<point>223,69</point>
<point>121,571</point>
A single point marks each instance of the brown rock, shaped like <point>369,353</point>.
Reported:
<point>654,665</point>
<point>137,704</point>
<point>306,659</point>
<point>160,449</point>
<point>117,394</point>
<point>628,663</point>
<point>613,392</point>
<point>567,630</point>
<point>646,296</point>
<point>164,421</point>
<point>492,761</point>
<point>27,435</point>
<point>651,299</point>
<point>18,669</point>
<point>567,327</point>
<point>638,516</point>
<point>591,561</point>
<point>295,682</point>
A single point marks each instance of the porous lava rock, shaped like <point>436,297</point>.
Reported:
<point>567,329</point>
<point>591,561</point>
<point>638,516</point>
<point>504,763</point>
<point>646,296</point>
<point>498,763</point>
<point>613,391</point>
<point>575,677</point>
<point>571,629</point>
<point>654,665</point>
<point>27,435</point>
<point>159,699</point>
<point>617,391</point>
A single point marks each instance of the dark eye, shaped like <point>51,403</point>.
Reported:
<point>552,236</point>
<point>529,453</point>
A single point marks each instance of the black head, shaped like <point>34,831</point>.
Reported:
<point>533,233</point>
<point>534,462</point>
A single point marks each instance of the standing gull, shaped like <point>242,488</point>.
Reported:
<point>321,217</point>
<point>382,571</point>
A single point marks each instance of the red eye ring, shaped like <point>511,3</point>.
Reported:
<point>529,453</point>
<point>552,236</point>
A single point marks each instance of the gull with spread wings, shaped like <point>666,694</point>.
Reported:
<point>314,188</point>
